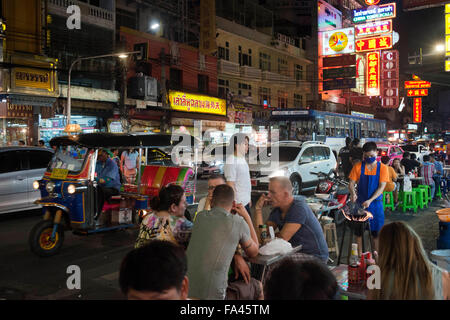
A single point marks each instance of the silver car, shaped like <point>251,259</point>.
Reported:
<point>19,168</point>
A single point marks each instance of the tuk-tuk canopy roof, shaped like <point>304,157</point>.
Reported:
<point>124,140</point>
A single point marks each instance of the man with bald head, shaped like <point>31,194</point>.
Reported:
<point>293,218</point>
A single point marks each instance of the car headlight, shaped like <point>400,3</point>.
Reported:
<point>71,189</point>
<point>50,187</point>
<point>278,173</point>
<point>35,185</point>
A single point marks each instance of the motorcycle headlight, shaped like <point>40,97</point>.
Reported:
<point>71,189</point>
<point>50,187</point>
<point>35,185</point>
<point>323,186</point>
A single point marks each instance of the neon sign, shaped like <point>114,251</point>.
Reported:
<point>375,43</point>
<point>373,74</point>
<point>417,110</point>
<point>418,84</point>
<point>373,28</point>
<point>384,11</point>
<point>417,93</point>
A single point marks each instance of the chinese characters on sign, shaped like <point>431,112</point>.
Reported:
<point>417,92</point>
<point>373,28</point>
<point>417,110</point>
<point>376,43</point>
<point>373,74</point>
<point>447,37</point>
<point>383,11</point>
<point>418,84</point>
<point>19,111</point>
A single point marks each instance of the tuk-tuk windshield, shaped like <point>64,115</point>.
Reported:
<point>69,157</point>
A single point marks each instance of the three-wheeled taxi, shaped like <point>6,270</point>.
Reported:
<point>69,188</point>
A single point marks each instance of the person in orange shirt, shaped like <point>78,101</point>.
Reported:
<point>371,177</point>
<point>390,185</point>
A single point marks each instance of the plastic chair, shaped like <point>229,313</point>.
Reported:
<point>409,201</point>
<point>428,188</point>
<point>389,204</point>
<point>438,193</point>
<point>421,197</point>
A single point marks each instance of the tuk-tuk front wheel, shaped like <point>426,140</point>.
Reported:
<point>40,239</point>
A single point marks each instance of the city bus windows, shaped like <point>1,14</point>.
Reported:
<point>347,127</point>
<point>339,126</point>
<point>320,127</point>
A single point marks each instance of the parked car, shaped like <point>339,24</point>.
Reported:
<point>418,149</point>
<point>20,167</point>
<point>390,150</point>
<point>296,160</point>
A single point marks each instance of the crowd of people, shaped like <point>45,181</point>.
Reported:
<point>206,258</point>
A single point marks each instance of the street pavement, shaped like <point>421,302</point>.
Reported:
<point>24,275</point>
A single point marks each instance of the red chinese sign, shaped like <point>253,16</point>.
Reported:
<point>375,43</point>
<point>417,84</point>
<point>390,79</point>
<point>373,74</point>
<point>373,28</point>
<point>417,92</point>
<point>417,110</point>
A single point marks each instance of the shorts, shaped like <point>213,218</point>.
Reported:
<point>239,290</point>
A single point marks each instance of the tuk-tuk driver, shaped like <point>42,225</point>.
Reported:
<point>107,176</point>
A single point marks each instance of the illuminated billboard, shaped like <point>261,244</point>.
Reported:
<point>376,43</point>
<point>187,102</point>
<point>417,92</point>
<point>339,41</point>
<point>374,28</point>
<point>417,84</point>
<point>329,17</point>
<point>384,11</point>
<point>373,74</point>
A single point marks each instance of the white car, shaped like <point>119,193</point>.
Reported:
<point>418,149</point>
<point>297,160</point>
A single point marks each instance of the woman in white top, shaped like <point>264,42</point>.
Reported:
<point>128,165</point>
<point>406,271</point>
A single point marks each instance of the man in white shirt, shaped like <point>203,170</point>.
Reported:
<point>236,170</point>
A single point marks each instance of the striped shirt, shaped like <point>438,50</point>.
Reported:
<point>426,172</point>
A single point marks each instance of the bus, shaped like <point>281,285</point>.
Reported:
<point>328,127</point>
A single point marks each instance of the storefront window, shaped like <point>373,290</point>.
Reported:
<point>13,130</point>
<point>54,127</point>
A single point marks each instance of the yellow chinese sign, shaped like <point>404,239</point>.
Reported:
<point>187,102</point>
<point>33,78</point>
<point>447,37</point>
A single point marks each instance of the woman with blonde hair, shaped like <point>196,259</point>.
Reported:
<point>406,271</point>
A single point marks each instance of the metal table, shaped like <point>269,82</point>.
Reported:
<point>260,263</point>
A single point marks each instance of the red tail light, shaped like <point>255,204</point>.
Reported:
<point>383,153</point>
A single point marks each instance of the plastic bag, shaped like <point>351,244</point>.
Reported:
<point>407,185</point>
<point>276,246</point>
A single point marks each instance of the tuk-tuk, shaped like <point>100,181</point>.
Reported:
<point>69,186</point>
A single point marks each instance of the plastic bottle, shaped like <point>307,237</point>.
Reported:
<point>263,233</point>
<point>353,268</point>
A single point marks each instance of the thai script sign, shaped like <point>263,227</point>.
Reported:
<point>383,11</point>
<point>417,84</point>
<point>187,102</point>
<point>32,78</point>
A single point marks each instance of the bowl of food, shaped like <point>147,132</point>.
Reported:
<point>444,214</point>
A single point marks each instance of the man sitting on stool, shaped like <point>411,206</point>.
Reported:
<point>108,178</point>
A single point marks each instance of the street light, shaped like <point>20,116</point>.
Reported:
<point>155,26</point>
<point>439,48</point>
<point>74,127</point>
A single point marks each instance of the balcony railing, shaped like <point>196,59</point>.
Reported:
<point>89,14</point>
<point>251,73</point>
<point>228,67</point>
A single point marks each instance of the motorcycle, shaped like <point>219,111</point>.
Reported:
<point>334,190</point>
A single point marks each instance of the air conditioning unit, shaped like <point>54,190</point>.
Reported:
<point>143,88</point>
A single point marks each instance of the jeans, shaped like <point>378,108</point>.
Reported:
<point>433,189</point>
<point>437,182</point>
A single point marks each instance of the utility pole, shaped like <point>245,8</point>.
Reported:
<point>164,91</point>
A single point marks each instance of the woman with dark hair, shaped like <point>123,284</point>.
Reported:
<point>167,221</point>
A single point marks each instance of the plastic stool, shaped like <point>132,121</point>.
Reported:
<point>391,200</point>
<point>409,201</point>
<point>428,188</point>
<point>438,193</point>
<point>421,197</point>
